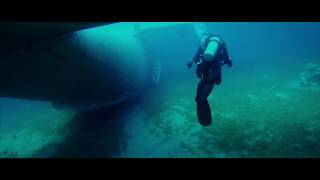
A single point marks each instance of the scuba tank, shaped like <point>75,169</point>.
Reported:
<point>211,47</point>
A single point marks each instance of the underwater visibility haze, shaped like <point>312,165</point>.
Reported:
<point>124,90</point>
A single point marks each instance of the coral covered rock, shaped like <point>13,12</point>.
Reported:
<point>310,77</point>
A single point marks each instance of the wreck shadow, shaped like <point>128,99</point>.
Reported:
<point>93,134</point>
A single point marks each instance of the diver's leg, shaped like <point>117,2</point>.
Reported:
<point>203,107</point>
<point>199,87</point>
<point>203,91</point>
<point>204,113</point>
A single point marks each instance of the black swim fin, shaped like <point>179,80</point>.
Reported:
<point>204,113</point>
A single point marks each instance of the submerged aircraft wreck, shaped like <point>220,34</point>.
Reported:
<point>70,65</point>
<point>77,66</point>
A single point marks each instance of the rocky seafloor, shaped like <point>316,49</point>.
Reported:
<point>23,142</point>
<point>264,116</point>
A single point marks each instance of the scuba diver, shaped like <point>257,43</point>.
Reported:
<point>210,57</point>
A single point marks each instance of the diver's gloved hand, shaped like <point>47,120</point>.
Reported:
<point>189,64</point>
<point>229,62</point>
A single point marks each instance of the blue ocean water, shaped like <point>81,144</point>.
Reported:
<point>259,110</point>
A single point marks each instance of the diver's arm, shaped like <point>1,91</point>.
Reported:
<point>197,57</point>
<point>226,58</point>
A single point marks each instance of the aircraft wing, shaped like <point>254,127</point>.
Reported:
<point>15,35</point>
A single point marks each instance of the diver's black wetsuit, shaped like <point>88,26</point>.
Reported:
<point>210,73</point>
